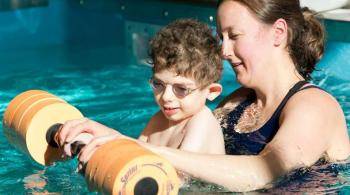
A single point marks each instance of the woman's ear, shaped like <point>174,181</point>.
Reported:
<point>280,30</point>
<point>215,90</point>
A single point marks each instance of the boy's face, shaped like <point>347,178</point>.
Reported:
<point>178,97</point>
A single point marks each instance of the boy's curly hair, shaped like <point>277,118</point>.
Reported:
<point>189,48</point>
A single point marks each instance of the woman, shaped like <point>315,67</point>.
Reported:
<point>277,121</point>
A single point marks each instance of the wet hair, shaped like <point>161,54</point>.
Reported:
<point>189,48</point>
<point>306,35</point>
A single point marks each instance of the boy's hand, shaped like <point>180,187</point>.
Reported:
<point>87,151</point>
<point>71,129</point>
<point>73,148</point>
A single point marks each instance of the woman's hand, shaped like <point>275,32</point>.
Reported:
<point>72,130</point>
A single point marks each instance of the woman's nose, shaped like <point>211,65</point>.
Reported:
<point>226,50</point>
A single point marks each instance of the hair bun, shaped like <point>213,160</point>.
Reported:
<point>308,13</point>
<point>313,39</point>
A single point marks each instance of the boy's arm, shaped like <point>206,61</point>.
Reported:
<point>203,134</point>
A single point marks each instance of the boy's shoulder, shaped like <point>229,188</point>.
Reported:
<point>157,123</point>
<point>204,118</point>
<point>203,134</point>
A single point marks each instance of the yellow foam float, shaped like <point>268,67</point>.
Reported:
<point>118,167</point>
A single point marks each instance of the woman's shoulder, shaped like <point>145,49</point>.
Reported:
<point>314,100</point>
<point>313,106</point>
<point>235,97</point>
<point>230,102</point>
<point>313,123</point>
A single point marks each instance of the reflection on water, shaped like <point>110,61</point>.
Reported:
<point>321,178</point>
<point>35,182</point>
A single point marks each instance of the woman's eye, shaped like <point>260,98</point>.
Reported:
<point>233,36</point>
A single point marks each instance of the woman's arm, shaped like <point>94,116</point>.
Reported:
<point>236,173</point>
<point>314,123</point>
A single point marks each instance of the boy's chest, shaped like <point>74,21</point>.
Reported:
<point>171,137</point>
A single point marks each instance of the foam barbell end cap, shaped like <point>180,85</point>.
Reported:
<point>131,170</point>
<point>28,122</point>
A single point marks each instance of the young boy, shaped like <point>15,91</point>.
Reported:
<point>186,68</point>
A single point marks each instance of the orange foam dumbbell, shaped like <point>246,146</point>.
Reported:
<point>121,167</point>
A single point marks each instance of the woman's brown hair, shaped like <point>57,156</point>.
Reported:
<point>306,35</point>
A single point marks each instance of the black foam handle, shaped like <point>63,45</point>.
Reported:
<point>51,133</point>
<point>146,186</point>
<point>75,147</point>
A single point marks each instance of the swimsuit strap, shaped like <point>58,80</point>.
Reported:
<point>311,86</point>
<point>297,87</point>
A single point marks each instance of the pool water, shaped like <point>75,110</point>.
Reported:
<point>119,96</point>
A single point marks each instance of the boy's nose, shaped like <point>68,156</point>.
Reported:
<point>168,94</point>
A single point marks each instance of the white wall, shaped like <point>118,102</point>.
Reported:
<point>324,5</point>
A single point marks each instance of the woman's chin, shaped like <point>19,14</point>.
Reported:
<point>243,81</point>
<point>240,79</point>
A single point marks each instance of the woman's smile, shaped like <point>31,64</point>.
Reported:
<point>235,64</point>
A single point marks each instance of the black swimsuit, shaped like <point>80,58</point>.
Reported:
<point>253,142</point>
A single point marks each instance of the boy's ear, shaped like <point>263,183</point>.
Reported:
<point>215,90</point>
